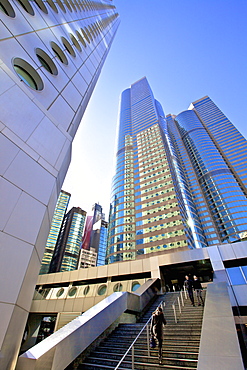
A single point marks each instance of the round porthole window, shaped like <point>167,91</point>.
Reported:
<point>60,292</point>
<point>6,8</point>
<point>59,53</point>
<point>41,5</point>
<point>135,286</point>
<point>52,5</point>
<point>28,74</point>
<point>75,42</point>
<point>91,32</point>
<point>26,6</point>
<point>118,287</point>
<point>61,6</point>
<point>88,33</point>
<point>80,38</point>
<point>102,290</point>
<point>46,61</point>
<point>85,35</point>
<point>72,291</point>
<point>67,4</point>
<point>86,290</point>
<point>72,5</point>
<point>78,5</point>
<point>67,46</point>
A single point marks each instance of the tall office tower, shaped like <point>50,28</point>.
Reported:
<point>67,251</point>
<point>102,243</point>
<point>56,224</point>
<point>51,57</point>
<point>95,235</point>
<point>180,181</point>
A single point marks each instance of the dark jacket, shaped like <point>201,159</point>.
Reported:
<point>197,284</point>
<point>189,284</point>
<point>157,322</point>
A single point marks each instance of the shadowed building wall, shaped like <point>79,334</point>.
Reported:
<point>51,58</point>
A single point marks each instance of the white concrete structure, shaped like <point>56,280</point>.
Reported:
<point>51,57</point>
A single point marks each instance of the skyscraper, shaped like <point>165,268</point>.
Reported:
<point>56,224</point>
<point>102,243</point>
<point>51,57</point>
<point>67,250</point>
<point>180,181</point>
<point>95,235</point>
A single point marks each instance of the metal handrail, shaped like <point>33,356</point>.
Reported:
<point>134,341</point>
<point>179,304</point>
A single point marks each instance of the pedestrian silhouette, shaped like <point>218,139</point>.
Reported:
<point>188,284</point>
<point>198,289</point>
<point>157,322</point>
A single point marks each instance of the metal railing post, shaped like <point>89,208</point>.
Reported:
<point>179,306</point>
<point>148,341</point>
<point>131,347</point>
<point>174,310</point>
<point>133,358</point>
<point>163,305</point>
<point>185,293</point>
<point>181,296</point>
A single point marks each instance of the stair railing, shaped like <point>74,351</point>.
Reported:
<point>131,347</point>
<point>180,301</point>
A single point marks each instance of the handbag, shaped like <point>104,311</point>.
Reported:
<point>152,342</point>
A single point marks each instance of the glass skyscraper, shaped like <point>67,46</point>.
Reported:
<point>95,235</point>
<point>56,224</point>
<point>180,181</point>
<point>67,251</point>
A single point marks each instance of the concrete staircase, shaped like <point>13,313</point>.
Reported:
<point>180,345</point>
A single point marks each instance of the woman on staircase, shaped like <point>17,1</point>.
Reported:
<point>157,322</point>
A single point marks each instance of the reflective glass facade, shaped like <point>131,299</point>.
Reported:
<point>177,183</point>
<point>57,220</point>
<point>102,243</point>
<point>66,255</point>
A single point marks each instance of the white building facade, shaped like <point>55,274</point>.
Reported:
<point>51,57</point>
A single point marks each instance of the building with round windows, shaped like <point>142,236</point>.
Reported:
<point>52,53</point>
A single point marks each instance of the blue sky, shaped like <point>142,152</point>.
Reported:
<point>187,49</point>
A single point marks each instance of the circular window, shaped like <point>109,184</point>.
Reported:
<point>102,290</point>
<point>91,32</point>
<point>88,33</point>
<point>72,291</point>
<point>86,290</point>
<point>41,5</point>
<point>68,6</point>
<point>59,53</point>
<point>26,6</point>
<point>52,5</point>
<point>46,61</point>
<point>81,38</point>
<point>73,5</point>
<point>67,46</point>
<point>60,292</point>
<point>6,8</point>
<point>28,74</point>
<point>75,42</point>
<point>77,4</point>
<point>118,287</point>
<point>85,35</point>
<point>135,286</point>
<point>61,6</point>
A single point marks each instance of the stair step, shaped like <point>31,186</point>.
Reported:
<point>143,353</point>
<point>142,360</point>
